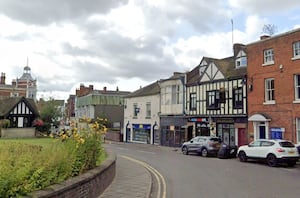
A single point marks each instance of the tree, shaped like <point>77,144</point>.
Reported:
<point>269,29</point>
<point>49,114</point>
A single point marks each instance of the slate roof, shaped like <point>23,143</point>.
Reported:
<point>151,89</point>
<point>8,103</point>
<point>225,65</point>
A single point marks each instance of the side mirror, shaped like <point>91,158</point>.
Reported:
<point>191,141</point>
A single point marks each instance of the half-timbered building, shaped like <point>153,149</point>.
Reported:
<point>216,98</point>
<point>20,112</point>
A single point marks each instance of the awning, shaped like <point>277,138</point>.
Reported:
<point>259,118</point>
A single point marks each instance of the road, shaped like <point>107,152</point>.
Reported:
<point>192,176</point>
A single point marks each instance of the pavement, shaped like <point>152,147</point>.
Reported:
<point>132,180</point>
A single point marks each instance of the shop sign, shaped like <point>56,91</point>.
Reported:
<point>197,119</point>
<point>276,132</point>
<point>141,126</point>
<point>225,120</point>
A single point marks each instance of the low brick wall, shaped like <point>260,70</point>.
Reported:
<point>18,132</point>
<point>90,184</point>
<point>114,136</point>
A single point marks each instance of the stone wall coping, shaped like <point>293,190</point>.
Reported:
<point>75,183</point>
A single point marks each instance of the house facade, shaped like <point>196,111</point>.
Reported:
<point>141,115</point>
<point>20,112</point>
<point>172,113</point>
<point>217,98</point>
<point>24,86</point>
<point>104,103</point>
<point>274,87</point>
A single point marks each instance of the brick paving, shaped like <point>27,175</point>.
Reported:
<point>132,180</point>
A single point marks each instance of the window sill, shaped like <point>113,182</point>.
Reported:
<point>269,102</point>
<point>295,58</point>
<point>296,101</point>
<point>268,63</point>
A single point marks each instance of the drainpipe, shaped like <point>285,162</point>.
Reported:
<point>126,131</point>
<point>153,128</point>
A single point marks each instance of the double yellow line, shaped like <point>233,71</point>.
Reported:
<point>161,183</point>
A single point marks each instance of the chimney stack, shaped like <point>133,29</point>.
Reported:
<point>2,80</point>
<point>263,37</point>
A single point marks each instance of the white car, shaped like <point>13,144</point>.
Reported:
<point>272,151</point>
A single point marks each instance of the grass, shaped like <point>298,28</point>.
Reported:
<point>31,164</point>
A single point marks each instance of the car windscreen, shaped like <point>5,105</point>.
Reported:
<point>287,144</point>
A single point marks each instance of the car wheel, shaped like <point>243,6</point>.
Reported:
<point>291,164</point>
<point>204,152</point>
<point>185,150</point>
<point>242,156</point>
<point>272,160</point>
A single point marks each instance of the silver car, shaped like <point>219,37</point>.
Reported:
<point>203,145</point>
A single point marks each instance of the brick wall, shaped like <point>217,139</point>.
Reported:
<point>284,112</point>
<point>17,132</point>
<point>90,184</point>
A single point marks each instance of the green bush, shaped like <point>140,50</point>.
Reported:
<point>27,167</point>
<point>4,123</point>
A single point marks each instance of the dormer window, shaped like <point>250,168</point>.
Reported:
<point>241,62</point>
<point>241,59</point>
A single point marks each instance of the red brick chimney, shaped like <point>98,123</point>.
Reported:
<point>2,80</point>
<point>263,37</point>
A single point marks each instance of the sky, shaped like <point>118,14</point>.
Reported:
<point>126,43</point>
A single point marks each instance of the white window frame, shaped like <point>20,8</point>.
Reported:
<point>241,62</point>
<point>268,57</point>
<point>296,50</point>
<point>193,101</point>
<point>298,129</point>
<point>297,87</point>
<point>148,110</point>
<point>269,91</point>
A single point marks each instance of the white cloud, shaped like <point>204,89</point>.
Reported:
<point>126,43</point>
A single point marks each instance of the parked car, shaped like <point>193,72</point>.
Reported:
<point>271,151</point>
<point>203,145</point>
<point>298,148</point>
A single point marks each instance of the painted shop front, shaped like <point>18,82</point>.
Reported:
<point>142,133</point>
<point>232,130</point>
<point>198,126</point>
<point>173,130</point>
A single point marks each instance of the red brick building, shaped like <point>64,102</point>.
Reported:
<point>24,86</point>
<point>273,75</point>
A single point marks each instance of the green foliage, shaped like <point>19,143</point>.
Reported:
<point>27,166</point>
<point>49,114</point>
<point>4,123</point>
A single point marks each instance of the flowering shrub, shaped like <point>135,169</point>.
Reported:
<point>38,124</point>
<point>29,167</point>
<point>85,144</point>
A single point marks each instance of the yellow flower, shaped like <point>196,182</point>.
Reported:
<point>81,141</point>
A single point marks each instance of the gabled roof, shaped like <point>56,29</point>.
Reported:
<point>226,66</point>
<point>8,103</point>
<point>151,89</point>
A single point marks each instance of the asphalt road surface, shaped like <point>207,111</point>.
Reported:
<point>192,176</point>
